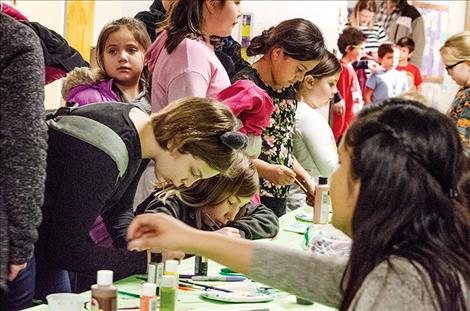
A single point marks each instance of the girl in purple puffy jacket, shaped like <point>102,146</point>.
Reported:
<point>120,73</point>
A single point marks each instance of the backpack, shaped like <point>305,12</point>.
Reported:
<point>92,132</point>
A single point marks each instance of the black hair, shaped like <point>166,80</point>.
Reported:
<point>406,42</point>
<point>385,48</point>
<point>350,36</point>
<point>298,38</point>
<point>408,159</point>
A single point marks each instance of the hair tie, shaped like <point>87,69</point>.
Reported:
<point>453,193</point>
<point>234,140</point>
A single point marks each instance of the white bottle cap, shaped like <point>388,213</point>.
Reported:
<point>169,281</point>
<point>171,266</point>
<point>149,289</point>
<point>104,278</point>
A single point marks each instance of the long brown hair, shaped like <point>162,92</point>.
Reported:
<point>195,125</point>
<point>184,20</point>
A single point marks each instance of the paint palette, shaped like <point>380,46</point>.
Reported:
<point>240,293</point>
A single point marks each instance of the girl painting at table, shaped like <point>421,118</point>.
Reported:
<point>397,193</point>
<point>314,143</point>
<point>219,203</point>
<point>192,139</point>
<point>288,50</point>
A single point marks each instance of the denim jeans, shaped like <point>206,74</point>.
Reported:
<point>49,279</point>
<point>21,290</point>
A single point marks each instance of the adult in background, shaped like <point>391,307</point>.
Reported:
<point>23,144</point>
<point>401,19</point>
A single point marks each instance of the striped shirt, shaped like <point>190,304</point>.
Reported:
<point>375,37</point>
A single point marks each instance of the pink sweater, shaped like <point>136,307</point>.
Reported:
<point>192,69</point>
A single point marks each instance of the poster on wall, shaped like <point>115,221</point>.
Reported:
<point>245,33</point>
<point>436,19</point>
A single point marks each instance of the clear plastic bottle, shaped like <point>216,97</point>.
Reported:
<point>200,265</point>
<point>104,293</point>
<point>155,270</point>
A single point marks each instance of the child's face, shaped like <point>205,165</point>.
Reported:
<point>459,71</point>
<point>404,53</point>
<point>344,192</point>
<point>390,60</point>
<point>317,93</point>
<point>180,168</point>
<point>225,212</point>
<point>356,52</point>
<point>286,71</point>
<point>365,16</point>
<point>224,18</point>
<point>123,57</point>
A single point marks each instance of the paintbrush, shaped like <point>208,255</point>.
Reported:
<point>301,186</point>
<point>213,222</point>
<point>205,286</point>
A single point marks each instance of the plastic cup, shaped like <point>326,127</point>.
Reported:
<point>65,301</point>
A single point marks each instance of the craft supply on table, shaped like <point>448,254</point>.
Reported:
<point>321,206</point>
<point>104,293</point>
<point>168,293</point>
<point>238,293</point>
<point>148,299</point>
<point>155,270</point>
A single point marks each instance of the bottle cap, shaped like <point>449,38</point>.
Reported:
<point>171,266</point>
<point>104,278</point>
<point>155,257</point>
<point>169,281</point>
<point>323,180</point>
<point>149,289</point>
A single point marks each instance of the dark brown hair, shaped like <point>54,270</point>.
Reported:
<point>298,38</point>
<point>184,20</point>
<point>406,42</point>
<point>385,48</point>
<point>328,66</point>
<point>350,36</point>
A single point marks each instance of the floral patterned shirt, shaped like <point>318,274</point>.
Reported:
<point>277,137</point>
<point>460,111</point>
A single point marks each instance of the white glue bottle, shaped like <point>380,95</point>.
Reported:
<point>321,206</point>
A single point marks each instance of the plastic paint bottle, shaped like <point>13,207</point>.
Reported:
<point>148,299</point>
<point>168,293</point>
<point>200,265</point>
<point>103,293</point>
<point>171,268</point>
<point>155,270</point>
<point>321,206</point>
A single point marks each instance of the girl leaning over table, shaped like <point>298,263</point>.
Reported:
<point>397,193</point>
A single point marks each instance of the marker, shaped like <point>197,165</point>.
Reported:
<point>219,278</point>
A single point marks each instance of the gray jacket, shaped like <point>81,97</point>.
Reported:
<point>23,142</point>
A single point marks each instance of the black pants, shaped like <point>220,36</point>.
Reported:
<point>278,205</point>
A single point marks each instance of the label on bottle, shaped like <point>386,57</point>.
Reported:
<point>103,304</point>
<point>325,207</point>
<point>148,303</point>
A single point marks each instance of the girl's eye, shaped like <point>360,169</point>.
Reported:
<point>112,51</point>
<point>132,50</point>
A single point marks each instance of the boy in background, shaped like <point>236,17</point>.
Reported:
<point>350,44</point>
<point>390,82</point>
<point>406,46</point>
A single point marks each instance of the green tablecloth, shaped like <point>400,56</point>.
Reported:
<point>190,300</point>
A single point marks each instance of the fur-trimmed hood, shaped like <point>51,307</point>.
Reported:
<point>78,76</point>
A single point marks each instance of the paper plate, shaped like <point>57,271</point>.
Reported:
<point>241,293</point>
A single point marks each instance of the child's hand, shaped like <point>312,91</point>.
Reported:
<point>280,175</point>
<point>158,232</point>
<point>233,232</point>
<point>339,108</point>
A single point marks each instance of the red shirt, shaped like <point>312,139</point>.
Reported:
<point>413,73</point>
<point>348,87</point>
